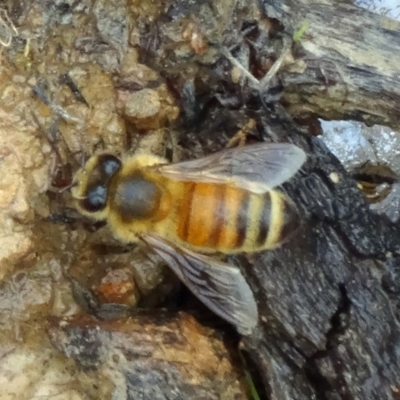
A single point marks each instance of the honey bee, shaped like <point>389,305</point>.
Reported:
<point>224,203</point>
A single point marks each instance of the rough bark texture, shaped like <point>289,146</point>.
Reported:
<point>328,300</point>
<point>329,329</point>
<point>346,63</point>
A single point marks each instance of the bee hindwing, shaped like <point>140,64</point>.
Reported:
<point>220,286</point>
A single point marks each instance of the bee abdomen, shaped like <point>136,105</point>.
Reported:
<point>277,220</point>
<point>210,214</point>
<point>230,219</point>
<point>263,222</point>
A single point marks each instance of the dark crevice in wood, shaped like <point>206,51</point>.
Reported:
<point>323,387</point>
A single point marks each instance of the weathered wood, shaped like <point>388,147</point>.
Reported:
<point>328,327</point>
<point>329,299</point>
<point>345,66</point>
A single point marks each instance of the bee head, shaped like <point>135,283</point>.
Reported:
<point>91,184</point>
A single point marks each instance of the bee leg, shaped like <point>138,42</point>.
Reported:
<point>240,137</point>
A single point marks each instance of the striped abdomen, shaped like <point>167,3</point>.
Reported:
<point>230,219</point>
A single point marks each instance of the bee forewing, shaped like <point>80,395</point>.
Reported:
<point>256,168</point>
<point>220,286</point>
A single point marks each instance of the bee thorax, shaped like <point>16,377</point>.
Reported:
<point>135,198</point>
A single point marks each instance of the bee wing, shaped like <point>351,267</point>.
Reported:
<point>220,286</point>
<point>256,168</point>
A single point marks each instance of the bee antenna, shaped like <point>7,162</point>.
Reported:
<point>71,185</point>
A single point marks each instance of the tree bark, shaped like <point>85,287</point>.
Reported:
<point>345,66</point>
<point>329,299</point>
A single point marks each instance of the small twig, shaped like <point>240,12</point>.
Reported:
<point>8,28</point>
<point>237,64</point>
<point>261,85</point>
<point>278,63</point>
<point>57,109</point>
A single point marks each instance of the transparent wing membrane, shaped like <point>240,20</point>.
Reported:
<point>256,168</point>
<point>220,286</point>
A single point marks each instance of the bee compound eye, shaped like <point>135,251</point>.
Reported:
<point>95,200</point>
<point>109,164</point>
